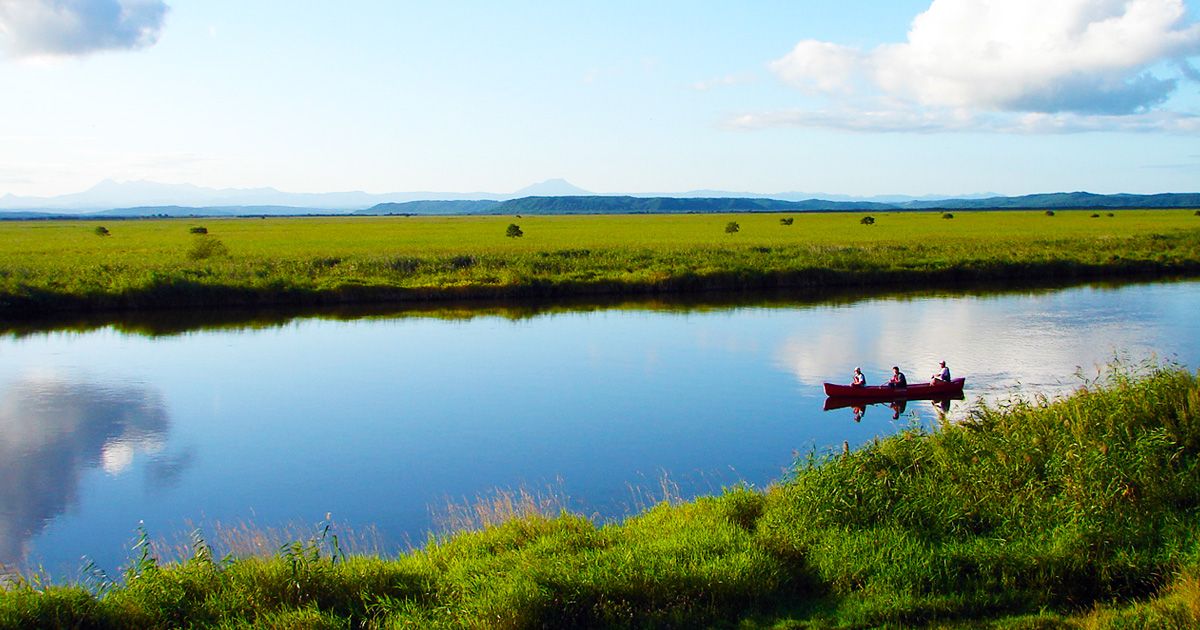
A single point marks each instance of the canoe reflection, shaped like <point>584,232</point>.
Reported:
<point>897,407</point>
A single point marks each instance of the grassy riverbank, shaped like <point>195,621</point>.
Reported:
<point>61,265</point>
<point>1077,513</point>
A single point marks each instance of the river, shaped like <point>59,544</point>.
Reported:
<point>382,421</point>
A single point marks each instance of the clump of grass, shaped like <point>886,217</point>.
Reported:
<point>499,506</point>
<point>1049,213</point>
<point>787,221</point>
<point>514,231</point>
<point>947,215</point>
<point>199,229</point>
<point>867,220</point>
<point>206,247</point>
<point>100,231</point>
<point>732,227</point>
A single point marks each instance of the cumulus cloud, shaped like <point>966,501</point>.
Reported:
<point>1066,59</point>
<point>32,28</point>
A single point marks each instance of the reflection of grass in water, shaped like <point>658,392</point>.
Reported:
<point>1078,512</point>
<point>340,260</point>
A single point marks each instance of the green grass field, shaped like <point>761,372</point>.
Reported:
<point>48,265</point>
<point>1080,513</point>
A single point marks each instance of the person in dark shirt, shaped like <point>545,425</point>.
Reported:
<point>898,379</point>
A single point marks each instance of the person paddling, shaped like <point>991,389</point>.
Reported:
<point>942,375</point>
<point>860,380</point>
<point>898,379</point>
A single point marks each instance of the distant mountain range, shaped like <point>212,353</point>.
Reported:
<point>597,204</point>
<point>555,196</point>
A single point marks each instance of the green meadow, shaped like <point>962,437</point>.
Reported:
<point>53,265</point>
<point>1074,513</point>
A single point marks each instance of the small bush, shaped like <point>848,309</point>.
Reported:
<point>947,215</point>
<point>1109,214</point>
<point>1196,213</point>
<point>732,227</point>
<point>207,247</point>
<point>514,231</point>
<point>1049,213</point>
<point>200,229</point>
<point>786,221</point>
<point>101,230</point>
<point>1095,215</point>
<point>867,220</point>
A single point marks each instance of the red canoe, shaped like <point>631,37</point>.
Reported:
<point>883,392</point>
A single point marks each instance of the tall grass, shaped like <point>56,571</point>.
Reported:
<point>157,263</point>
<point>1080,512</point>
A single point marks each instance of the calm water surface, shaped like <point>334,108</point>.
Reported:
<point>378,420</point>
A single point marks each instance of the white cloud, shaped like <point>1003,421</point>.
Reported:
<point>35,28</point>
<point>820,66</point>
<point>1080,62</point>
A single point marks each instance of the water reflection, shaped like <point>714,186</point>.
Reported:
<point>170,322</point>
<point>897,408</point>
<point>1037,344</point>
<point>51,432</point>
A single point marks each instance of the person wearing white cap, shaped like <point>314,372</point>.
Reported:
<point>942,375</point>
<point>860,380</point>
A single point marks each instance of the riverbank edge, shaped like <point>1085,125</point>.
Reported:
<point>174,293</point>
<point>755,558</point>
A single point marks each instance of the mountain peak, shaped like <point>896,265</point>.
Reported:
<point>557,187</point>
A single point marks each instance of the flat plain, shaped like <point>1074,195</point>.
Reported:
<point>49,265</point>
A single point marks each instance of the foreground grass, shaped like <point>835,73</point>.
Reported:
<point>48,265</point>
<point>1080,513</point>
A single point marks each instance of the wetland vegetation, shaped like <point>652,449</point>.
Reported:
<point>62,265</point>
<point>1078,512</point>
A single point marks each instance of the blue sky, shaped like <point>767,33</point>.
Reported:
<point>847,97</point>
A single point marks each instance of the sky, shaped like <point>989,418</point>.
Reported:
<point>854,97</point>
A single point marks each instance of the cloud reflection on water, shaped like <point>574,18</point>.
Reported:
<point>996,346</point>
<point>51,432</point>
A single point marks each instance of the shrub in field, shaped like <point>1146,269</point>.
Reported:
<point>514,231</point>
<point>1049,213</point>
<point>867,220</point>
<point>1109,214</point>
<point>200,229</point>
<point>732,227</point>
<point>947,215</point>
<point>1095,215</point>
<point>207,247</point>
<point>1197,213</point>
<point>101,230</point>
<point>786,221</point>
